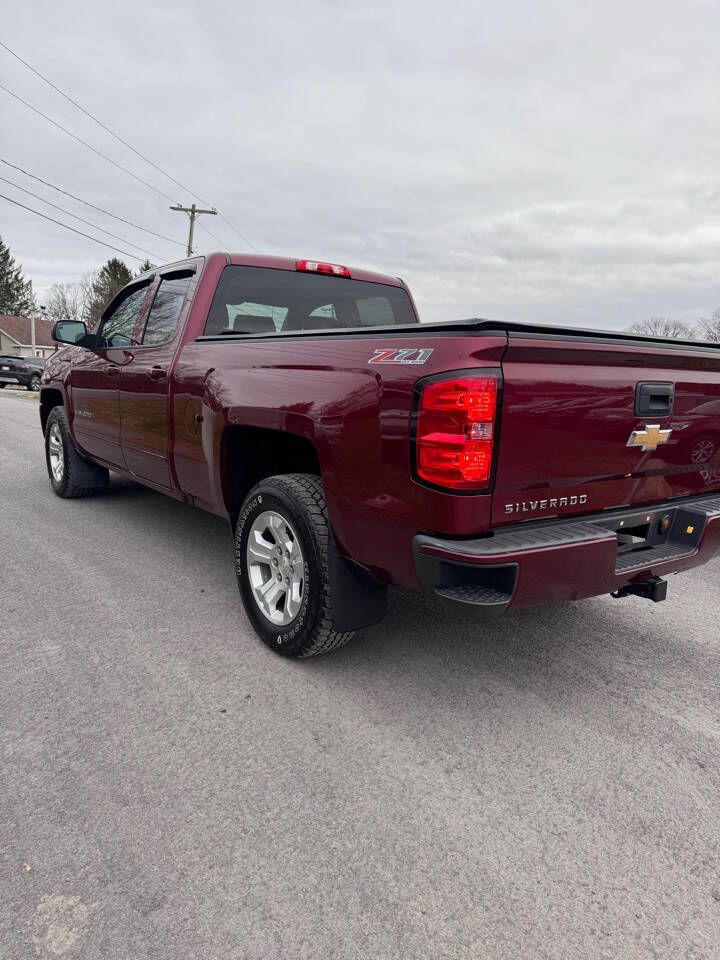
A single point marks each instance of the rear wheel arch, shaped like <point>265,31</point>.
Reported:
<point>251,454</point>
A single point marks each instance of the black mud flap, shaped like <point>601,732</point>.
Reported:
<point>358,599</point>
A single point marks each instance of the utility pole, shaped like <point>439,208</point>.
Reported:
<point>32,329</point>
<point>193,213</point>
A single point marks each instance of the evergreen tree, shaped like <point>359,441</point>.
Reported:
<point>144,267</point>
<point>110,279</point>
<point>16,293</point>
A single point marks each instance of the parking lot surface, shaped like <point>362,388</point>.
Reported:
<point>544,785</point>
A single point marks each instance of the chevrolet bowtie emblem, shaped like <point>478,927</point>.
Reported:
<point>650,438</point>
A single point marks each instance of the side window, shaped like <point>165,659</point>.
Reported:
<point>165,312</point>
<point>117,328</point>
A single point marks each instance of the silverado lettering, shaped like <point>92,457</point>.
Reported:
<point>239,384</point>
<point>553,503</point>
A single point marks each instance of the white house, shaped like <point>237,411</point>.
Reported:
<point>16,337</point>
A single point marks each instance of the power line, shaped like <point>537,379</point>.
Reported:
<point>85,143</point>
<point>72,196</point>
<point>68,227</point>
<point>98,122</point>
<point>223,246</point>
<point>120,140</point>
<point>241,235</point>
<point>88,223</point>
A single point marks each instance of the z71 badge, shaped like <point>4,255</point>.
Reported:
<point>407,355</point>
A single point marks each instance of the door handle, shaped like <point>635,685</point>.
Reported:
<point>157,373</point>
<point>654,399</point>
<point>112,371</point>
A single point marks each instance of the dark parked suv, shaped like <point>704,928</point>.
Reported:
<point>23,370</point>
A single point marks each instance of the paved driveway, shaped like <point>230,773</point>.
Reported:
<point>543,786</point>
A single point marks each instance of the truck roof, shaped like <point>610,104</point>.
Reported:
<point>289,263</point>
<point>277,263</point>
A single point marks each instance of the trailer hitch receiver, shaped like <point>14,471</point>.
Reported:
<point>655,589</point>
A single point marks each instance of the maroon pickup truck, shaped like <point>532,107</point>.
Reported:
<point>490,465</point>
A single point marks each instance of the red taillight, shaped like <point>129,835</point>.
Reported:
<point>455,431</point>
<point>331,269</point>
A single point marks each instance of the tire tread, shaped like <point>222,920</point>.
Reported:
<point>81,478</point>
<point>306,491</point>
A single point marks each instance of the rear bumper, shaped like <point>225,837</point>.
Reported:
<point>567,560</point>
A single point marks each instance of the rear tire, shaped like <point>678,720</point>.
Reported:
<point>70,474</point>
<point>34,384</point>
<point>295,505</point>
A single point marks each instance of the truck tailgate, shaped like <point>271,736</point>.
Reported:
<point>579,434</point>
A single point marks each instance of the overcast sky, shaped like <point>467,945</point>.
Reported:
<point>550,161</point>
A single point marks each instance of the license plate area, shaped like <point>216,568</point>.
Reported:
<point>644,531</point>
<point>656,531</point>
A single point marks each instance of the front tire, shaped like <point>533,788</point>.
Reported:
<point>70,474</point>
<point>281,550</point>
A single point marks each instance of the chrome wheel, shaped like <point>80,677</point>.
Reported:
<point>703,451</point>
<point>56,453</point>
<point>276,568</point>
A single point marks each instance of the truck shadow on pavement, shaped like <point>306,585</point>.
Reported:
<point>574,650</point>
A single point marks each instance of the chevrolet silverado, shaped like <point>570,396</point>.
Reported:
<point>491,465</point>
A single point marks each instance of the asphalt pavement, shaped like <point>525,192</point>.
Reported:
<point>545,785</point>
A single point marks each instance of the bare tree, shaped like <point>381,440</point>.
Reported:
<point>70,301</point>
<point>710,327</point>
<point>664,327</point>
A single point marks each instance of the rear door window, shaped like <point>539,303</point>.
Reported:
<point>165,312</point>
<point>264,300</point>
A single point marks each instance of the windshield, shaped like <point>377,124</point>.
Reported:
<point>266,300</point>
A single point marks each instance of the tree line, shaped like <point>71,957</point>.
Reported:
<point>707,328</point>
<point>85,299</point>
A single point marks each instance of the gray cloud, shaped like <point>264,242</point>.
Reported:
<point>551,161</point>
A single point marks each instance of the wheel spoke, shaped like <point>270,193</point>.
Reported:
<point>293,599</point>
<point>259,550</point>
<point>279,530</point>
<point>270,593</point>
